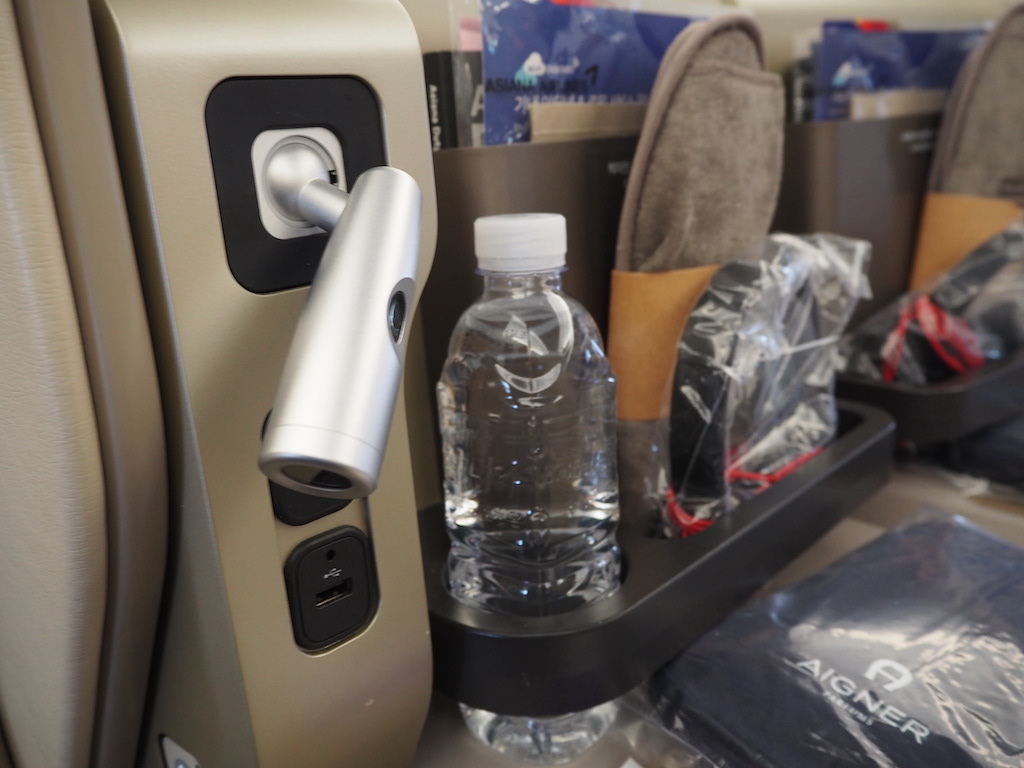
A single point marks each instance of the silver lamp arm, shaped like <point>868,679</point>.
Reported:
<point>328,429</point>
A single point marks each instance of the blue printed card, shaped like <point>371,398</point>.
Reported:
<point>542,51</point>
<point>851,59</point>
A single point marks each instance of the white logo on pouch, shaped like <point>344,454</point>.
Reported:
<point>535,66</point>
<point>863,705</point>
<point>897,675</point>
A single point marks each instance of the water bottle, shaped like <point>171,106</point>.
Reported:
<point>527,410</point>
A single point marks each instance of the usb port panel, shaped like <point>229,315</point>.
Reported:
<point>335,594</point>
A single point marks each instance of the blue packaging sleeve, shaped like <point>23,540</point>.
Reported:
<point>545,52</point>
<point>851,59</point>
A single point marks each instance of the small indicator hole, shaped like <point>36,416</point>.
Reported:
<point>396,315</point>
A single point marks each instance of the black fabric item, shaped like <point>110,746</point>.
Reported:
<point>753,382</point>
<point>698,439</point>
<point>981,296</point>
<point>996,453</point>
<point>908,653</point>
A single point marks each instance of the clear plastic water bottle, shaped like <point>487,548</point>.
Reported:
<point>527,408</point>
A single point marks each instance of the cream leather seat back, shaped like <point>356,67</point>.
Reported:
<point>83,497</point>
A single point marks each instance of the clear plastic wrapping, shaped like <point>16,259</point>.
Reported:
<point>971,316</point>
<point>908,653</point>
<point>753,391</point>
<point>650,745</point>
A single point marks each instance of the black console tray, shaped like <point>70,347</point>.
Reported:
<point>673,591</point>
<point>947,411</point>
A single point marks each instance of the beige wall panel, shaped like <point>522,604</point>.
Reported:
<point>221,348</point>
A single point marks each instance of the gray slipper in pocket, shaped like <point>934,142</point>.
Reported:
<point>702,190</point>
<point>976,188</point>
<point>705,177</point>
<point>980,148</point>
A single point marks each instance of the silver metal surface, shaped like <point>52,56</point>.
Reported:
<point>176,756</point>
<point>295,177</point>
<point>291,157</point>
<point>328,429</point>
<point>299,163</point>
<point>321,203</point>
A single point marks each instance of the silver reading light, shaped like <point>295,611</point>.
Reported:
<point>327,432</point>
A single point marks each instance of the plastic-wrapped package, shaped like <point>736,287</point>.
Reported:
<point>971,316</point>
<point>908,653</point>
<point>650,745</point>
<point>753,392</point>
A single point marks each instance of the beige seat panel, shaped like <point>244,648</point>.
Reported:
<point>53,539</point>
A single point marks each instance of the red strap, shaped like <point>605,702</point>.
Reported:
<point>939,326</point>
<point>768,478</point>
<point>939,329</point>
<point>687,523</point>
<point>895,343</point>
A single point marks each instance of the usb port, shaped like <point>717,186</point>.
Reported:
<point>334,594</point>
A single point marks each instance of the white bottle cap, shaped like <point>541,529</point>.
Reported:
<point>520,242</point>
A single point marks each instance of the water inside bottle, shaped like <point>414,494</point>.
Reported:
<point>527,404</point>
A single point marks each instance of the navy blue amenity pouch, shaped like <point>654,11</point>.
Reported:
<point>908,653</point>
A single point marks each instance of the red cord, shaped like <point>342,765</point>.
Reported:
<point>769,478</point>
<point>939,328</point>
<point>937,325</point>
<point>687,523</point>
<point>895,343</point>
